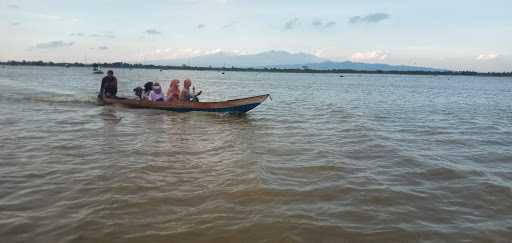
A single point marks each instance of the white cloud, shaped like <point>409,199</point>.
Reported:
<point>329,24</point>
<point>106,34</point>
<point>80,34</point>
<point>230,24</point>
<point>170,53</point>
<point>46,16</point>
<point>318,23</point>
<point>291,24</point>
<point>152,32</point>
<point>370,18</point>
<point>53,44</point>
<point>178,53</point>
<point>370,56</point>
<point>487,56</point>
<point>319,52</point>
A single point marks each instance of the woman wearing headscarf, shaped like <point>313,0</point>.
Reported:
<point>156,93</point>
<point>174,91</point>
<point>185,93</point>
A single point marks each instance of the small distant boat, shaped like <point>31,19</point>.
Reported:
<point>97,70</point>
<point>229,106</point>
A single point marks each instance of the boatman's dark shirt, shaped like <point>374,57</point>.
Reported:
<point>108,86</point>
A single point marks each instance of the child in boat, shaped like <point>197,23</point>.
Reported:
<point>174,91</point>
<point>186,95</point>
<point>156,93</point>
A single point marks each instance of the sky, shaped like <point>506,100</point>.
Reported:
<point>456,34</point>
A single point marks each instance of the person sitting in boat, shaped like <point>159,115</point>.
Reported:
<point>108,86</point>
<point>173,93</point>
<point>147,89</point>
<point>186,95</point>
<point>156,93</point>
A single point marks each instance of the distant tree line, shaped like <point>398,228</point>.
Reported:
<point>305,69</point>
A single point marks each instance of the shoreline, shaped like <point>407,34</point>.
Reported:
<point>268,70</point>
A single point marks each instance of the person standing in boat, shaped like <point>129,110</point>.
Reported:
<point>108,86</point>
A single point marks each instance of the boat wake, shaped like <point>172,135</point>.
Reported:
<point>17,95</point>
<point>72,100</point>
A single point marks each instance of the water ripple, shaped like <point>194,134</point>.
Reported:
<point>366,158</point>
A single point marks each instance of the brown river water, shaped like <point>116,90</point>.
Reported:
<point>364,158</point>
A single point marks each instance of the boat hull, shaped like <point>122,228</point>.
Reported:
<point>229,106</point>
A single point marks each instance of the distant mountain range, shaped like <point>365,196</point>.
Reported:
<point>283,60</point>
<point>223,59</point>
<point>347,65</point>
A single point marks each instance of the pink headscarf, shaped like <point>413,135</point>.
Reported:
<point>185,93</point>
<point>187,83</point>
<point>174,91</point>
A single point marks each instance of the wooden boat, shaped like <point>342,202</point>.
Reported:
<point>230,106</point>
